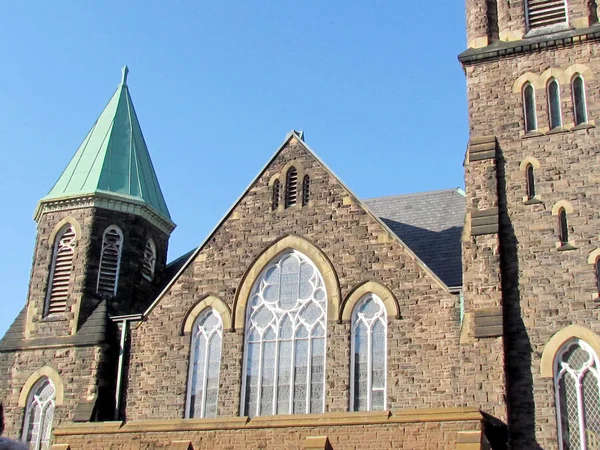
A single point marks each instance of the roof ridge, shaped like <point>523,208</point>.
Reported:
<point>456,189</point>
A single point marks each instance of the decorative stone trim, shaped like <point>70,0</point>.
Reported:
<point>482,148</point>
<point>468,440</point>
<point>60,447</point>
<point>317,443</point>
<point>581,69</point>
<point>488,322</point>
<point>48,372</point>
<point>557,341</point>
<point>181,445</point>
<point>59,226</point>
<point>296,243</point>
<point>387,297</point>
<point>562,204</point>
<point>484,222</point>
<point>210,301</point>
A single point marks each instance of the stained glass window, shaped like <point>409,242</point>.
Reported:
<point>577,387</point>
<point>286,320</point>
<point>369,355</point>
<point>37,428</point>
<point>205,363</point>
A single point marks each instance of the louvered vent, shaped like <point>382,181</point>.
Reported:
<point>62,266</point>
<point>305,190</point>
<point>110,260</point>
<point>291,187</point>
<point>149,260</point>
<point>543,13</point>
<point>276,189</point>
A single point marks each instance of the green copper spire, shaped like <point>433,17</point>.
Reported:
<point>113,160</point>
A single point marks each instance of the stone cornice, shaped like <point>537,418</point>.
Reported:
<point>108,201</point>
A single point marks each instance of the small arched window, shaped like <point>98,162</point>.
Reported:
<point>205,362</point>
<point>60,271</point>
<point>579,101</point>
<point>305,190</point>
<point>563,227</point>
<point>149,262</point>
<point>530,181</point>
<point>369,355</point>
<point>39,412</point>
<point>276,194</point>
<point>110,261</point>
<point>291,187</point>
<point>529,108</point>
<point>554,112</point>
<point>576,386</point>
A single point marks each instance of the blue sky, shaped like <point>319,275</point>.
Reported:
<point>375,85</point>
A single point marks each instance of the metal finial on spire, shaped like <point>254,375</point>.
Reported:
<point>125,72</point>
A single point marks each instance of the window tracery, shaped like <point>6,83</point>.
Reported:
<point>37,428</point>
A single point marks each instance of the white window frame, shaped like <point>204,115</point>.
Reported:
<point>259,282</point>
<point>356,320</point>
<point>558,104</point>
<point>584,99</point>
<point>121,243</point>
<point>33,401</point>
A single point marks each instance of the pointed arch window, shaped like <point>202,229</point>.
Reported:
<point>368,355</point>
<point>576,386</point>
<point>530,174</point>
<point>545,13</point>
<point>597,273</point>
<point>291,187</point>
<point>205,362</point>
<point>60,271</point>
<point>276,194</point>
<point>529,108</point>
<point>149,262</point>
<point>110,261</point>
<point>284,357</point>
<point>305,190</point>
<point>554,112</point>
<point>39,412</point>
<point>563,227</point>
<point>579,101</point>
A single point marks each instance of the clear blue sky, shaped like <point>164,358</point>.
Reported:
<point>217,85</point>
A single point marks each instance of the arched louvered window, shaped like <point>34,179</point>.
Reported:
<point>205,362</point>
<point>545,13</point>
<point>579,101</point>
<point>284,355</point>
<point>554,112</point>
<point>305,190</point>
<point>37,428</point>
<point>368,355</point>
<point>529,108</point>
<point>110,261</point>
<point>276,194</point>
<point>291,187</point>
<point>149,263</point>
<point>60,271</point>
<point>576,386</point>
<point>530,181</point>
<point>563,227</point>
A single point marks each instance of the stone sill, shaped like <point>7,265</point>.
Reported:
<point>535,200</point>
<point>283,421</point>
<point>565,247</point>
<point>558,130</point>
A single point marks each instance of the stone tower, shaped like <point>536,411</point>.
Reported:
<point>100,254</point>
<point>531,242</point>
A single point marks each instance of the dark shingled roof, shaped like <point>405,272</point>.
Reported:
<point>431,224</point>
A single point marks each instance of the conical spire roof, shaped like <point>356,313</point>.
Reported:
<point>113,159</point>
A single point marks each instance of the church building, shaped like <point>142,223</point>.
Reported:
<point>313,319</point>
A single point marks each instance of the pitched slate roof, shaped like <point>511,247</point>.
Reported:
<point>430,223</point>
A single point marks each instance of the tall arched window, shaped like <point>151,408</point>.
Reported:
<point>305,190</point>
<point>576,385</point>
<point>530,181</point>
<point>149,262</point>
<point>205,363</point>
<point>597,273</point>
<point>579,102</point>
<point>60,271</point>
<point>368,355</point>
<point>554,113</point>
<point>276,194</point>
<point>291,187</point>
<point>563,226</point>
<point>110,261</point>
<point>286,318</point>
<point>39,412</point>
<point>529,108</point>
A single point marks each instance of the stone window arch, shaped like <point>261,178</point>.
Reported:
<point>528,167</point>
<point>579,99</point>
<point>562,209</point>
<point>554,109</point>
<point>529,112</point>
<point>110,261</point>
<point>61,268</point>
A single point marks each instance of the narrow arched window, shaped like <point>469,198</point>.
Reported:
<point>291,187</point>
<point>576,383</point>
<point>39,412</point>
<point>149,262</point>
<point>530,181</point>
<point>110,261</point>
<point>579,102</point>
<point>529,108</point>
<point>554,113</point>
<point>597,273</point>
<point>276,194</point>
<point>60,271</point>
<point>305,190</point>
<point>284,356</point>
<point>368,355</point>
<point>205,363</point>
<point>563,227</point>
